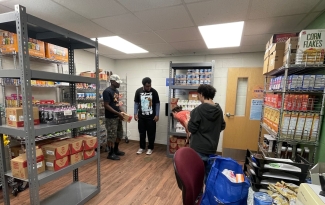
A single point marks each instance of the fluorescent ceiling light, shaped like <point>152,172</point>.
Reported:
<point>222,35</point>
<point>120,44</point>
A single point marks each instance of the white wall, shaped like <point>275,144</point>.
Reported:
<point>158,70</point>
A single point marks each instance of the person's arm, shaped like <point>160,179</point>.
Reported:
<point>194,122</point>
<point>107,99</point>
<point>223,124</point>
<point>136,105</point>
<point>157,104</point>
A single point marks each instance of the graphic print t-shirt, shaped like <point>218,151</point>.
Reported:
<point>111,96</point>
<point>147,102</point>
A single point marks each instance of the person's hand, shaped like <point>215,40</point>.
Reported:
<point>156,118</point>
<point>136,117</point>
<point>120,115</point>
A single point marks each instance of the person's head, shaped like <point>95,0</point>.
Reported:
<point>206,92</point>
<point>115,81</point>
<point>146,82</point>
<point>177,109</point>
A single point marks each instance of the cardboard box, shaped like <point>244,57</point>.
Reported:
<point>77,157</point>
<point>56,150</point>
<point>293,41</point>
<point>56,164</point>
<point>89,142</point>
<point>181,141</point>
<point>19,165</point>
<point>102,76</point>
<point>75,144</point>
<point>89,153</point>
<point>308,194</point>
<point>88,74</point>
<point>9,44</point>
<point>283,37</point>
<point>319,168</point>
<point>127,117</point>
<point>193,96</point>
<point>266,62</point>
<point>311,47</point>
<point>173,145</point>
<point>55,52</point>
<point>276,56</point>
<point>15,116</point>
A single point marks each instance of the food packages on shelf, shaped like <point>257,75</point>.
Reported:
<point>75,145</point>
<point>176,143</point>
<point>273,100</point>
<point>285,124</point>
<point>293,41</point>
<point>85,86</point>
<point>77,157</point>
<point>55,52</point>
<point>311,47</point>
<point>89,154</point>
<point>10,44</point>
<point>15,116</point>
<point>188,104</point>
<point>276,56</point>
<point>86,96</point>
<point>57,164</point>
<point>314,130</point>
<point>192,95</point>
<point>58,113</point>
<point>88,74</point>
<point>308,127</point>
<point>19,165</point>
<point>277,38</point>
<point>300,126</point>
<point>89,142</point>
<point>56,150</point>
<point>292,125</point>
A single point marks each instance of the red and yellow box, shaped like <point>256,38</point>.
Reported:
<point>89,142</point>
<point>56,150</point>
<point>15,116</point>
<point>77,157</point>
<point>56,164</point>
<point>76,145</point>
<point>89,154</point>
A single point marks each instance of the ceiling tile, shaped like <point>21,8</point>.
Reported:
<point>92,9</point>
<point>189,45</point>
<point>272,25</point>
<point>159,47</point>
<point>87,28</point>
<point>123,56</point>
<point>274,8</point>
<point>191,1</point>
<point>255,39</point>
<point>218,11</point>
<point>183,34</point>
<point>166,18</point>
<point>4,9</point>
<point>320,6</point>
<point>142,38</point>
<point>252,48</point>
<point>140,5</point>
<point>145,55</point>
<point>47,10</point>
<point>307,20</point>
<point>126,23</point>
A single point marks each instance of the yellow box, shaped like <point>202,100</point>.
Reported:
<point>55,52</point>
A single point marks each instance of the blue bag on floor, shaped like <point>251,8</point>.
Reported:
<point>220,190</point>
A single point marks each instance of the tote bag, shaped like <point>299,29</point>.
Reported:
<point>219,189</point>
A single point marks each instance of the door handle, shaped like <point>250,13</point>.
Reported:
<point>229,115</point>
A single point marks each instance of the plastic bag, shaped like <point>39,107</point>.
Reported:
<point>220,190</point>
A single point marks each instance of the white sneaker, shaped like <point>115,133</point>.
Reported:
<point>140,151</point>
<point>149,152</point>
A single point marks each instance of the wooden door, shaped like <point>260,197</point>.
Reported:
<point>242,125</point>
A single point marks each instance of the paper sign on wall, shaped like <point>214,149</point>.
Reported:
<point>256,109</point>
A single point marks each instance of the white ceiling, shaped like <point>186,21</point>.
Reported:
<point>169,27</point>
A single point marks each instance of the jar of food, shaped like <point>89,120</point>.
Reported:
<point>289,153</point>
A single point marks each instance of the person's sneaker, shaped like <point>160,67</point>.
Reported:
<point>149,152</point>
<point>140,151</point>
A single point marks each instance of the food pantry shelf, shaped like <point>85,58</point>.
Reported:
<point>314,92</point>
<point>75,193</point>
<point>174,133</point>
<point>269,130</point>
<point>43,75</point>
<point>184,87</point>
<point>299,111</point>
<point>296,69</point>
<point>35,58</point>
<point>48,176</point>
<point>43,129</point>
<point>186,66</point>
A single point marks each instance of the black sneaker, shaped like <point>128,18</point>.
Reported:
<point>119,153</point>
<point>113,157</point>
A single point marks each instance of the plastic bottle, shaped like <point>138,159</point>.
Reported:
<point>289,153</point>
<point>283,152</point>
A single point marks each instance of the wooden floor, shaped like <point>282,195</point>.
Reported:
<point>135,179</point>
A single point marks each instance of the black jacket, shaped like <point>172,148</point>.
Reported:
<point>205,126</point>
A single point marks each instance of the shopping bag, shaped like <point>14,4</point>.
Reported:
<point>220,190</point>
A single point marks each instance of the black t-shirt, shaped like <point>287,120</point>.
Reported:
<point>111,96</point>
<point>147,102</point>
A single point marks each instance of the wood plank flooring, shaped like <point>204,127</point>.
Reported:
<point>134,180</point>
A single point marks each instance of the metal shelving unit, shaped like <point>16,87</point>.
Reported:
<point>26,26</point>
<point>124,99</point>
<point>173,68</point>
<point>285,71</point>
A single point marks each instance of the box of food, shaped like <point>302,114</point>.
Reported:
<point>56,150</point>
<point>76,145</point>
<point>314,128</point>
<point>266,64</point>
<point>308,126</point>
<point>181,141</point>
<point>89,142</point>
<point>311,47</point>
<point>19,165</point>
<point>89,153</point>
<point>88,74</point>
<point>56,164</point>
<point>292,125</point>
<point>102,76</point>
<point>15,116</point>
<point>55,52</point>
<point>127,117</point>
<point>77,157</point>
<point>282,37</point>
<point>276,56</point>
<point>285,124</point>
<point>293,41</point>
<point>10,44</point>
<point>172,139</point>
<point>193,95</point>
<point>319,82</point>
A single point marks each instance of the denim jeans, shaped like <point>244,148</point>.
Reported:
<point>207,164</point>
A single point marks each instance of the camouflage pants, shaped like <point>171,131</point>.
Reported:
<point>114,129</point>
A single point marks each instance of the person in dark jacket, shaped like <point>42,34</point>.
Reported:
<point>205,125</point>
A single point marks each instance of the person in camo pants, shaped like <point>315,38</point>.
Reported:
<point>114,117</point>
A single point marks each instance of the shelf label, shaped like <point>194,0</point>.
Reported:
<point>49,164</point>
<point>67,112</point>
<point>256,109</point>
<point>39,164</point>
<point>49,152</point>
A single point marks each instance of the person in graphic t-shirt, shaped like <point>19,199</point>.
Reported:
<point>113,118</point>
<point>146,112</point>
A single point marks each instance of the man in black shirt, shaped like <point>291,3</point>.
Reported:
<point>146,112</point>
<point>114,117</point>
